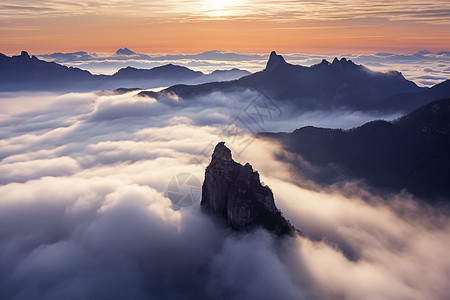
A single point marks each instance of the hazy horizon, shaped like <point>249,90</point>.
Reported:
<point>425,68</point>
<point>326,52</point>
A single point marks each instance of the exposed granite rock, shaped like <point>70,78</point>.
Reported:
<point>234,192</point>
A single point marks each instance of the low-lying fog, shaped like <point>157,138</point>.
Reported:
<point>424,68</point>
<point>84,212</point>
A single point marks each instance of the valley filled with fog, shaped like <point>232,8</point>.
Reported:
<point>224,150</point>
<point>84,211</point>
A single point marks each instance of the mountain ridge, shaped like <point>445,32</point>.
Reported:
<point>340,84</point>
<point>409,153</point>
<point>25,72</point>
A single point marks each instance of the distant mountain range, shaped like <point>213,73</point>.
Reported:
<point>219,55</point>
<point>126,53</point>
<point>23,72</point>
<point>433,66</point>
<point>340,84</point>
<point>411,153</point>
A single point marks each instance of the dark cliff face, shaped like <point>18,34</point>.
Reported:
<point>234,192</point>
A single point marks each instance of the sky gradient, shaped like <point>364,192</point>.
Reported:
<point>234,25</point>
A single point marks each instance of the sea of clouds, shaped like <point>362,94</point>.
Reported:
<point>84,212</point>
<point>424,68</point>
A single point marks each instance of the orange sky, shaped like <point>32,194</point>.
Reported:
<point>236,25</point>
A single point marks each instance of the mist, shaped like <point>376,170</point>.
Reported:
<point>424,68</point>
<point>84,211</point>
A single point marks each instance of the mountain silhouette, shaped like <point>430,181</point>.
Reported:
<point>163,72</point>
<point>410,101</point>
<point>411,153</point>
<point>340,84</point>
<point>25,72</point>
<point>227,75</point>
<point>125,51</point>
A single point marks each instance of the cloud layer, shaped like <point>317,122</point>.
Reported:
<point>84,212</point>
<point>410,10</point>
<point>424,68</point>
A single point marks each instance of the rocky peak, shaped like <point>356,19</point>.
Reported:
<point>342,62</point>
<point>275,61</point>
<point>234,192</point>
<point>221,152</point>
<point>324,62</point>
<point>125,51</point>
<point>24,55</point>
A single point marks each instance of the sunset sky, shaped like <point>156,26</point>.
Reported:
<point>167,26</point>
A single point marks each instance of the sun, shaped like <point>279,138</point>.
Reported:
<point>217,8</point>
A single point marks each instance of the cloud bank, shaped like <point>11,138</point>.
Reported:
<point>84,212</point>
<point>424,68</point>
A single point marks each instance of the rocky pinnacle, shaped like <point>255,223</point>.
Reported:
<point>234,192</point>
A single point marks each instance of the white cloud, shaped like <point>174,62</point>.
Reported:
<point>424,68</point>
<point>83,214</point>
<point>28,170</point>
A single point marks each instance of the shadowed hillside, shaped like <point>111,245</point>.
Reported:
<point>411,153</point>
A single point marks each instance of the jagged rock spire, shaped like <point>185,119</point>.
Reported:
<point>221,152</point>
<point>275,61</point>
<point>234,192</point>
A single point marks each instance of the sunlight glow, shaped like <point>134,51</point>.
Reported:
<point>234,25</point>
<point>217,8</point>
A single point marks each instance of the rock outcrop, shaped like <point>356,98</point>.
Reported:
<point>275,61</point>
<point>234,192</point>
